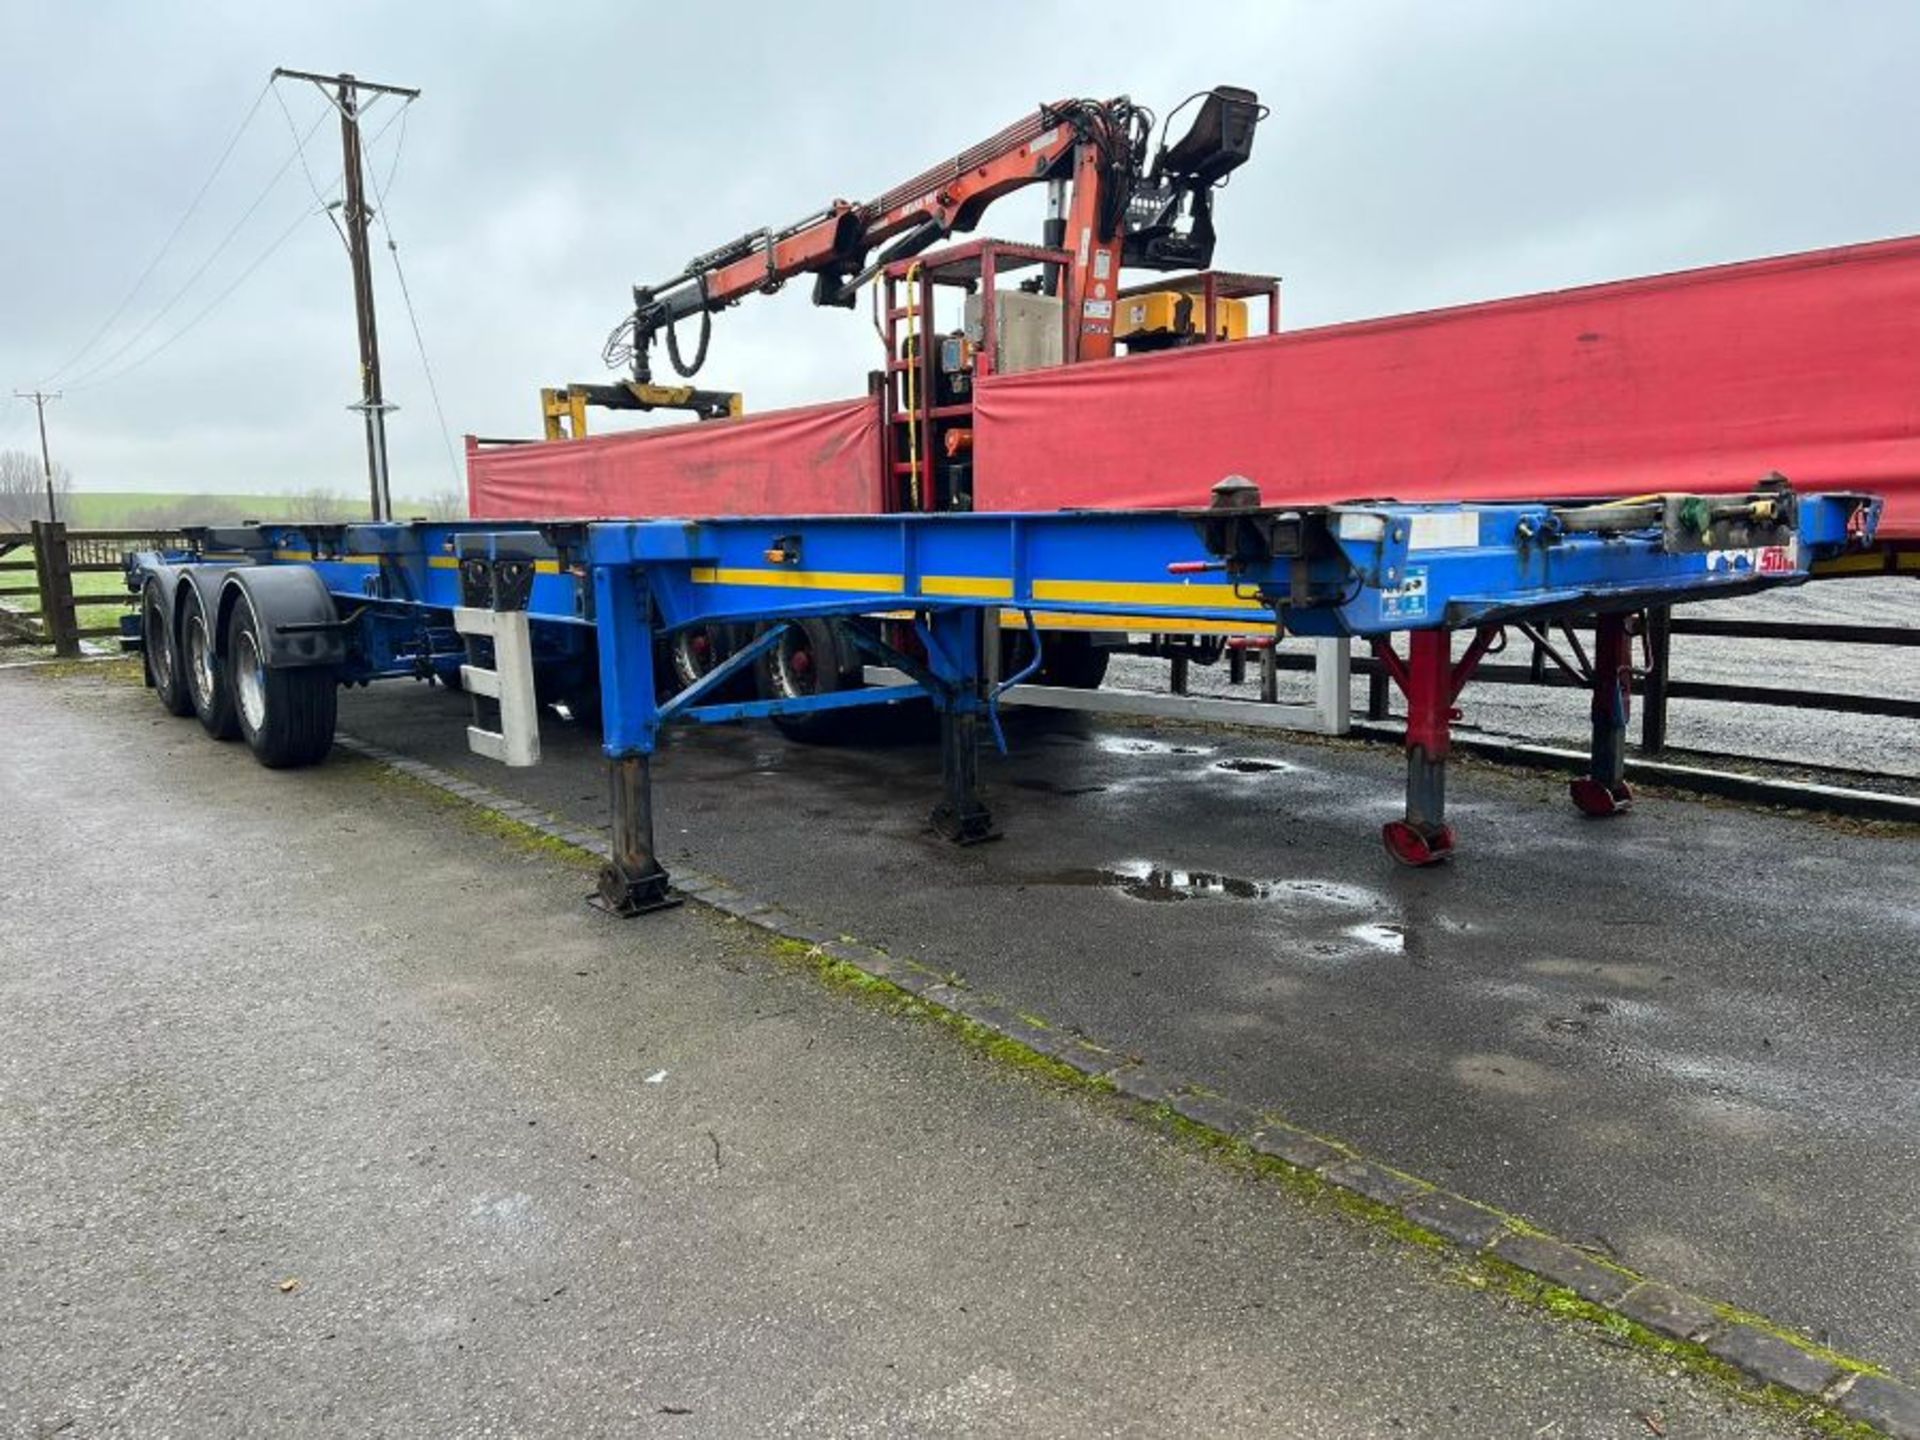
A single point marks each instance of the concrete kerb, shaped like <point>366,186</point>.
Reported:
<point>1839,1393</point>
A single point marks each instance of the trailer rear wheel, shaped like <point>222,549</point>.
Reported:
<point>286,715</point>
<point>162,652</point>
<point>811,658</point>
<point>207,681</point>
<point>696,651</point>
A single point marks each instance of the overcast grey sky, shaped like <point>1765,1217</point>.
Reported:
<point>1418,154</point>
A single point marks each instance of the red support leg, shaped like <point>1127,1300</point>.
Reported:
<point>1604,790</point>
<point>1424,837</point>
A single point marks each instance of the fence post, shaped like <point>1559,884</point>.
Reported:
<point>1653,699</point>
<point>52,569</point>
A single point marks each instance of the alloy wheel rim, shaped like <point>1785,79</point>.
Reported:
<point>250,682</point>
<point>200,659</point>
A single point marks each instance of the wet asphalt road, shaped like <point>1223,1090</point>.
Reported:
<point>327,1112</point>
<point>1686,1037</point>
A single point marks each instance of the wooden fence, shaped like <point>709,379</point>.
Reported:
<point>46,613</point>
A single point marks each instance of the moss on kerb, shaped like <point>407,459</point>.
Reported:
<point>1487,1272</point>
<point>845,976</point>
<point>477,817</point>
<point>1734,1315</point>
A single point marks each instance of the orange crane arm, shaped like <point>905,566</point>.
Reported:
<point>1098,146</point>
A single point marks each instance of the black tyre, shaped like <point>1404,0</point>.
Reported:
<point>693,652</point>
<point>696,651</point>
<point>813,657</point>
<point>1069,659</point>
<point>161,647</point>
<point>206,674</point>
<point>286,716</point>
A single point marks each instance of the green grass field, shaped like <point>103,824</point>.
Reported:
<point>118,509</point>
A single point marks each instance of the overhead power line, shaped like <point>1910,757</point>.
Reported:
<point>201,314</point>
<point>383,214</point>
<point>166,245</point>
<point>300,149</point>
<point>93,379</point>
<point>86,378</point>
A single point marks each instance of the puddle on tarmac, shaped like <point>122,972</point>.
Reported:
<point>1160,884</point>
<point>1252,767</point>
<point>1389,938</point>
<point>1132,745</point>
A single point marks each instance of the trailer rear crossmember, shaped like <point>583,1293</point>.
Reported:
<point>348,604</point>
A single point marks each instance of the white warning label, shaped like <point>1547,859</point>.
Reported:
<point>1408,599</point>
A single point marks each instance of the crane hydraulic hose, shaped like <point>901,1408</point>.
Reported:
<point>706,334</point>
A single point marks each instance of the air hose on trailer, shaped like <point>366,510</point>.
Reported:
<point>1027,672</point>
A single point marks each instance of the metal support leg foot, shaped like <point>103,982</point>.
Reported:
<point>1424,837</point>
<point>1604,791</point>
<point>962,815</point>
<point>634,881</point>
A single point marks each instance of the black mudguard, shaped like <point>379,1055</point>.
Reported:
<point>298,622</point>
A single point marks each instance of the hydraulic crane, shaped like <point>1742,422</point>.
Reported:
<point>1106,205</point>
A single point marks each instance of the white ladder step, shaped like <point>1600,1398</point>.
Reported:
<point>510,682</point>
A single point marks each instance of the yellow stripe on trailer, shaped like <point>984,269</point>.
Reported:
<point>974,587</point>
<point>1130,624</point>
<point>1112,592</point>
<point>797,579</point>
<point>994,587</point>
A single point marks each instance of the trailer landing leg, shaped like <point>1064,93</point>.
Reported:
<point>1431,682</point>
<point>962,815</point>
<point>634,882</point>
<point>954,641</point>
<point>1604,791</point>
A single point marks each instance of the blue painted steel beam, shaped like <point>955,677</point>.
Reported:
<point>1365,569</point>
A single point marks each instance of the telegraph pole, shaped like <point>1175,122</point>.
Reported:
<point>373,406</point>
<point>40,398</point>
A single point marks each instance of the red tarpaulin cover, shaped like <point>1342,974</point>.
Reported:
<point>816,460</point>
<point>1706,379</point>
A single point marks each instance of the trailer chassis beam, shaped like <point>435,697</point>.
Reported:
<point>1368,570</point>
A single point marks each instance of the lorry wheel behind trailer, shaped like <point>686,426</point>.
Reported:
<point>1069,658</point>
<point>811,658</point>
<point>208,683</point>
<point>160,647</point>
<point>286,714</point>
<point>697,650</point>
